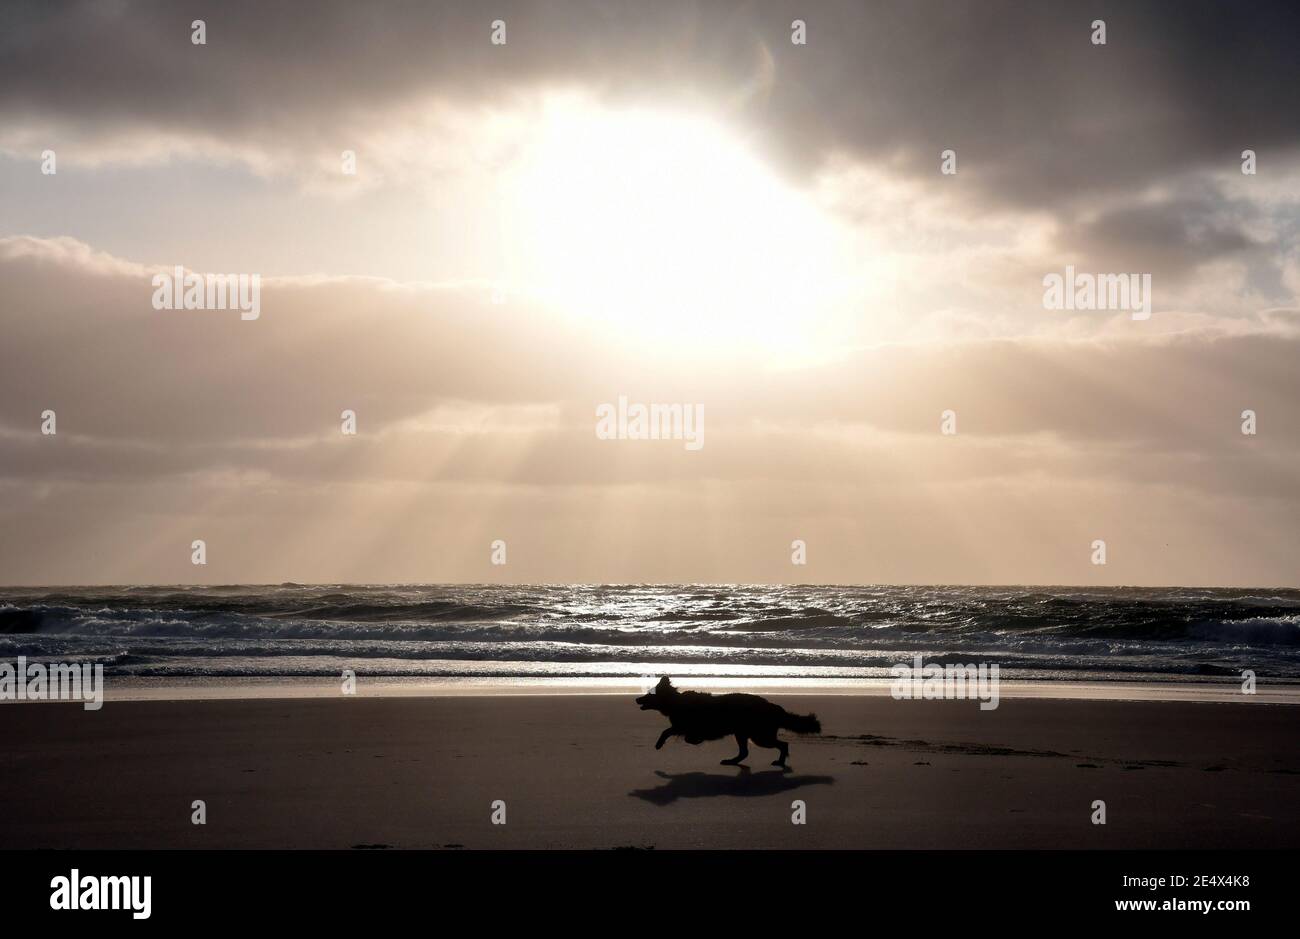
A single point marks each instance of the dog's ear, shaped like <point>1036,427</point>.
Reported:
<point>664,683</point>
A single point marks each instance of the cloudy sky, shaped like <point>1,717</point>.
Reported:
<point>668,201</point>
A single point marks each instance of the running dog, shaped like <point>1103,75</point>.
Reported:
<point>697,716</point>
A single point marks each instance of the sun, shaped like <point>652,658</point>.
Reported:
<point>662,223</point>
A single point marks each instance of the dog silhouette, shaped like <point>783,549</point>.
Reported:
<point>696,716</point>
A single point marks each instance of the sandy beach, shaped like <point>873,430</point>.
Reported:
<point>580,771</point>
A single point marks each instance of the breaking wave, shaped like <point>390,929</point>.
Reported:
<point>296,629</point>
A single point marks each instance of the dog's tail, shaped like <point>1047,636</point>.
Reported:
<point>801,723</point>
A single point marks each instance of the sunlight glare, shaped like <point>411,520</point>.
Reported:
<point>664,224</point>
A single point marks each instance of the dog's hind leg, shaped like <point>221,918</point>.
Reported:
<point>744,751</point>
<point>785,752</point>
<point>773,743</point>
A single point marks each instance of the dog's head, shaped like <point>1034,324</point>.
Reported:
<point>657,699</point>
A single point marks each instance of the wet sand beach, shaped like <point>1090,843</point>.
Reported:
<point>580,771</point>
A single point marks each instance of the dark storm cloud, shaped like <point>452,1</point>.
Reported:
<point>1171,238</point>
<point>1039,116</point>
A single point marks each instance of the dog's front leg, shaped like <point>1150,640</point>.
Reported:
<point>663,738</point>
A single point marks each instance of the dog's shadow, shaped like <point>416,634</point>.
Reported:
<point>745,783</point>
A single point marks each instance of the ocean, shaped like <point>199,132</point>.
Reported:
<point>493,631</point>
